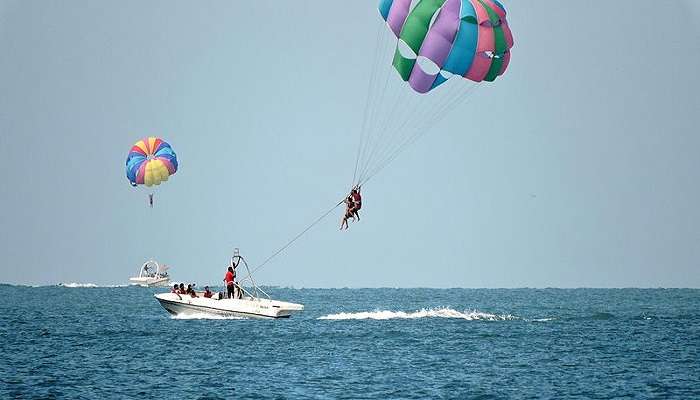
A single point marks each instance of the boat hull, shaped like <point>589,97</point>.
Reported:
<point>149,282</point>
<point>183,305</point>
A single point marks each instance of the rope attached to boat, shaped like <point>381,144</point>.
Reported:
<point>294,239</point>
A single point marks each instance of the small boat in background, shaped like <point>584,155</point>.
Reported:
<point>151,274</point>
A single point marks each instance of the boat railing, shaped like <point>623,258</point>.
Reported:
<point>255,292</point>
<point>252,294</point>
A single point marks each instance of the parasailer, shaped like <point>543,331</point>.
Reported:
<point>430,41</point>
<point>349,206</point>
<point>353,204</point>
<point>150,162</point>
<point>357,201</point>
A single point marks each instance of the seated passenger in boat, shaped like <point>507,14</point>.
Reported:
<point>191,291</point>
<point>182,289</point>
<point>207,292</point>
<point>174,289</point>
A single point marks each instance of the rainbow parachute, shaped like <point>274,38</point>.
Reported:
<point>150,162</point>
<point>438,39</point>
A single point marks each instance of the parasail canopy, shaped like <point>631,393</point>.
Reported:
<point>150,161</point>
<point>438,39</point>
<point>410,90</point>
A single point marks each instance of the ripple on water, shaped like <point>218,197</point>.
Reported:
<point>97,342</point>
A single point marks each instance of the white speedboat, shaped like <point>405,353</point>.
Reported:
<point>247,306</point>
<point>151,274</point>
<point>251,302</point>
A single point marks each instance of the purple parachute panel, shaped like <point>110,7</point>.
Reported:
<point>437,44</point>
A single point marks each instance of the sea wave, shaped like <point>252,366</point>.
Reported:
<point>470,315</point>
<point>87,285</point>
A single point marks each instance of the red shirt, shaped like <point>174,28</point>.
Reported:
<point>357,198</point>
<point>229,278</point>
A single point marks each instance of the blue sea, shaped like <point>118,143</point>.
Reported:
<point>117,342</point>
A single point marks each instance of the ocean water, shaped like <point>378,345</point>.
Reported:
<point>117,342</point>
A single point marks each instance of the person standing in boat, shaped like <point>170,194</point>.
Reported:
<point>230,285</point>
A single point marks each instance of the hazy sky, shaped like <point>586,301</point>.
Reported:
<point>579,167</point>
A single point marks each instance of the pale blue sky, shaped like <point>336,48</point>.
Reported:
<point>579,167</point>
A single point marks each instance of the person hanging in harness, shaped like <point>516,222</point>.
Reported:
<point>349,206</point>
<point>357,201</point>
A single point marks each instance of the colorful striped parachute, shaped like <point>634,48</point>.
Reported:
<point>150,162</point>
<point>427,43</point>
<point>442,38</point>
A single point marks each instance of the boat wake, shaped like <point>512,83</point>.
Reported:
<point>542,319</point>
<point>87,285</point>
<point>77,285</point>
<point>472,315</point>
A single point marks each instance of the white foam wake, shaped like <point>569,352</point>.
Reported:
<point>423,313</point>
<point>87,285</point>
<point>78,285</point>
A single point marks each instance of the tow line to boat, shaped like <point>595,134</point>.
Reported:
<point>300,234</point>
<point>294,239</point>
